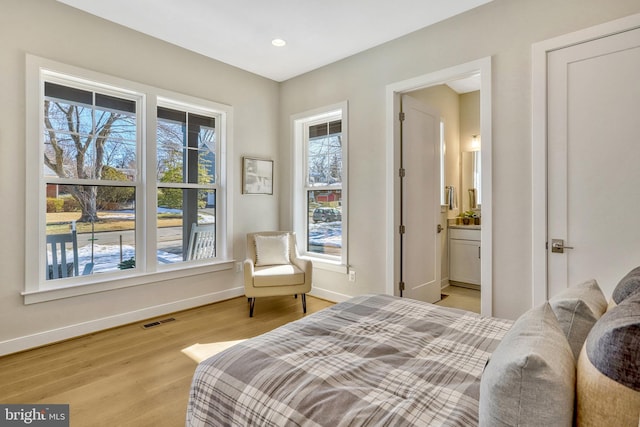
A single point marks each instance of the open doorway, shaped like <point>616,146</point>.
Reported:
<point>460,197</point>
<point>479,70</point>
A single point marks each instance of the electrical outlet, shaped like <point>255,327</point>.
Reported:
<point>352,276</point>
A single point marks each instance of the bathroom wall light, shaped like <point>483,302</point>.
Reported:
<point>475,143</point>
<point>278,42</point>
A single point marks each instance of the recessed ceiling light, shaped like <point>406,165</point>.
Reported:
<point>278,42</point>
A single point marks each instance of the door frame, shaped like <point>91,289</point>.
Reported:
<point>539,141</point>
<point>392,237</point>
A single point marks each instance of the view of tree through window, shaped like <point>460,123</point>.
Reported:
<point>91,173</point>
<point>90,169</point>
<point>111,202</point>
<point>324,188</point>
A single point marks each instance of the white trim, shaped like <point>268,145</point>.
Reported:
<point>327,265</point>
<point>329,295</point>
<point>539,64</point>
<point>393,91</point>
<point>78,329</point>
<point>121,280</point>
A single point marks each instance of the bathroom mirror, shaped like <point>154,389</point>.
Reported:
<point>471,196</point>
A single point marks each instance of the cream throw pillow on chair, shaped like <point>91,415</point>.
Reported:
<point>272,250</point>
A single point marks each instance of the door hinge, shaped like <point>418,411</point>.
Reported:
<point>402,229</point>
<point>402,172</point>
<point>401,286</point>
<point>401,116</point>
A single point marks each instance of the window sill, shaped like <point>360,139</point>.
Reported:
<point>328,265</point>
<point>119,282</point>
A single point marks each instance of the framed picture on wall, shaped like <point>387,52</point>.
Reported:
<point>257,176</point>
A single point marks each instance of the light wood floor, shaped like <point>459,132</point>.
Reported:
<point>130,376</point>
<point>459,297</point>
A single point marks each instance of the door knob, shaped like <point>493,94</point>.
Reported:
<point>558,247</point>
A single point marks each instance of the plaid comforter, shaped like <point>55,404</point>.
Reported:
<point>374,360</point>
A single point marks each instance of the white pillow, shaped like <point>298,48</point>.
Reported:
<point>272,250</point>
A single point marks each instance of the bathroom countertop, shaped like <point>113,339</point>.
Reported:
<point>466,227</point>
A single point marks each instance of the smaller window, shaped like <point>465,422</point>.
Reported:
<point>320,185</point>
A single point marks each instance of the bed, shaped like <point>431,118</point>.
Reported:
<point>372,360</point>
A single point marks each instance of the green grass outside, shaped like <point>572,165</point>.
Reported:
<point>59,222</point>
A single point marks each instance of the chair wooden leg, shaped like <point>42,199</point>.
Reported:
<point>295,296</point>
<point>304,303</point>
<point>252,302</point>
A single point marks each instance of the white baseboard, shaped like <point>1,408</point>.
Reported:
<point>54,335</point>
<point>329,295</point>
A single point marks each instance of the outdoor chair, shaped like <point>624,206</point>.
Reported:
<point>273,267</point>
<point>202,242</point>
<point>60,266</point>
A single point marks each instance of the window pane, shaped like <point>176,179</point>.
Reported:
<point>56,91</point>
<point>171,142</point>
<point>325,222</point>
<point>206,166</point>
<point>99,219</point>
<point>178,210</point>
<point>325,160</point>
<point>201,141</point>
<point>115,103</point>
<point>62,158</point>
<point>323,129</point>
<point>206,155</point>
<point>185,156</point>
<point>58,112</point>
<point>120,125</point>
<point>80,140</point>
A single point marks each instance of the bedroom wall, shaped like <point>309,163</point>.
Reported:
<point>55,31</point>
<point>502,29</point>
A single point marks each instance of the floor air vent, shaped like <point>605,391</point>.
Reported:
<point>157,323</point>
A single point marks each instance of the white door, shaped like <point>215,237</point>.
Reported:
<point>594,161</point>
<point>420,250</point>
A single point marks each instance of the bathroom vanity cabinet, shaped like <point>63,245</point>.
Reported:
<point>464,254</point>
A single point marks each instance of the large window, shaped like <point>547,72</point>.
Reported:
<point>124,182</point>
<point>186,172</point>
<point>320,184</point>
<point>90,163</point>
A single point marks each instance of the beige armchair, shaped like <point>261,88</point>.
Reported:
<point>273,267</point>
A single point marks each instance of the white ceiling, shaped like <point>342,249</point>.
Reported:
<point>468,84</point>
<point>239,32</point>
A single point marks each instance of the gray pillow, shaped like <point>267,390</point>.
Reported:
<point>608,374</point>
<point>577,309</point>
<point>530,379</point>
<point>628,285</point>
<point>613,347</point>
